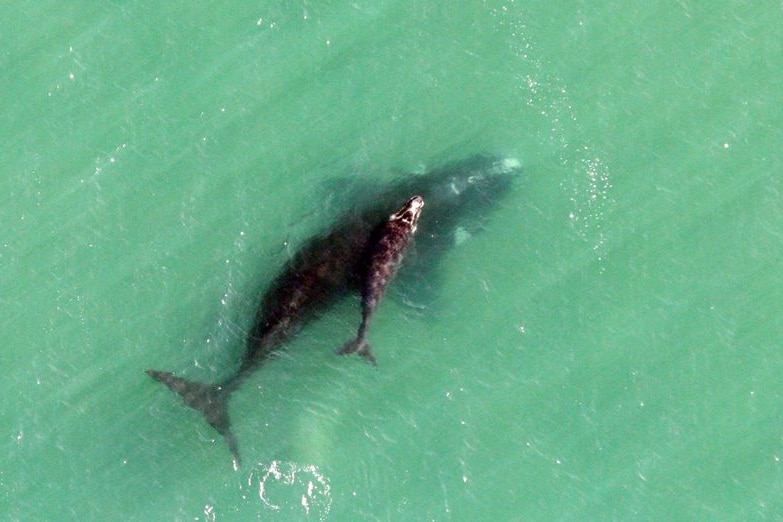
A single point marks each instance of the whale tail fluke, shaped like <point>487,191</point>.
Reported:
<point>208,399</point>
<point>361,347</point>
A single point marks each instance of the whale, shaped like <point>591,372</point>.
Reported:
<point>385,252</point>
<point>340,260</point>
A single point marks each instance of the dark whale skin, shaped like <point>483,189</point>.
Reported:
<point>331,265</point>
<point>385,252</point>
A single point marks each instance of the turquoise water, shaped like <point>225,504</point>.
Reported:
<point>607,349</point>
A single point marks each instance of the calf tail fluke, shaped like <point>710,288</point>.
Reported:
<point>361,347</point>
<point>208,399</point>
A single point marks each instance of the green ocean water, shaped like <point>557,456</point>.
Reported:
<point>608,348</point>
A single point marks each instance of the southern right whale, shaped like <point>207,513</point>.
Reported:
<point>384,255</point>
<point>329,266</point>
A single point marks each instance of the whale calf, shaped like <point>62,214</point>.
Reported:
<point>333,264</point>
<point>386,249</point>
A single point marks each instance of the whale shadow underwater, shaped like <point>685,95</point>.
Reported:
<point>360,253</point>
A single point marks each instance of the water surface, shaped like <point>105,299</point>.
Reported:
<point>606,349</point>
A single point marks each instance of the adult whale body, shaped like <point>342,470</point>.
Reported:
<point>331,265</point>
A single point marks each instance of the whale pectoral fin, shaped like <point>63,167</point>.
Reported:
<point>361,347</point>
<point>208,399</point>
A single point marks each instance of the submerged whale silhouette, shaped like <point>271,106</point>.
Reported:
<point>331,265</point>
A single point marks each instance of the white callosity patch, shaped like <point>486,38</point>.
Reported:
<point>506,166</point>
